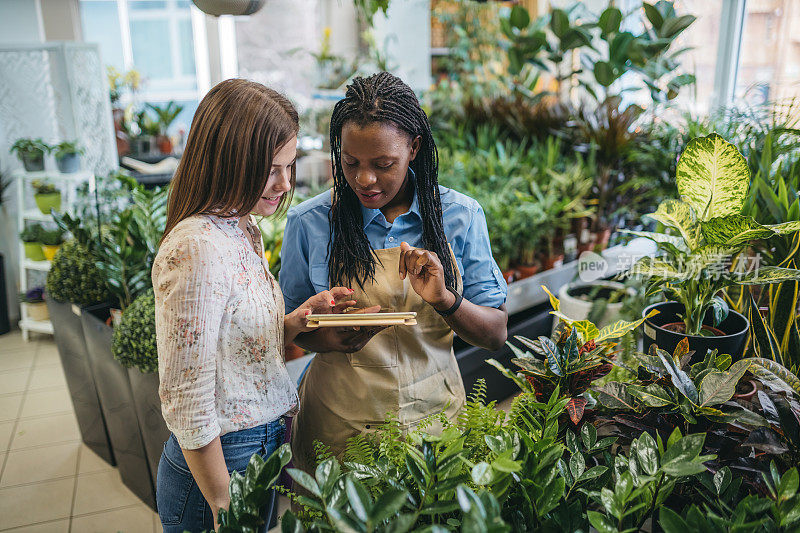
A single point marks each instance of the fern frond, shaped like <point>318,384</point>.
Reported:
<point>359,449</point>
<point>322,451</point>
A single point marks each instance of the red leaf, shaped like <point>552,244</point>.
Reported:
<point>575,409</point>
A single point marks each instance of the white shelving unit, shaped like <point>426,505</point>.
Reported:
<point>29,214</point>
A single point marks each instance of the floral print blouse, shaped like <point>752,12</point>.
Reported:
<point>219,330</point>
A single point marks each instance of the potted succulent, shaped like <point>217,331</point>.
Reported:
<point>47,196</point>
<point>705,252</point>
<point>31,237</point>
<point>51,241</point>
<point>31,153</point>
<point>68,156</point>
<point>74,283</point>
<point>166,116</point>
<point>35,306</point>
<point>134,345</point>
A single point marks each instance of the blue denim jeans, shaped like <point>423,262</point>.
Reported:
<point>181,505</point>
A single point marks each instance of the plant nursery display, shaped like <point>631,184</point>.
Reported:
<point>31,152</point>
<point>68,156</point>
<point>51,241</point>
<point>47,196</point>
<point>134,341</point>
<point>703,252</point>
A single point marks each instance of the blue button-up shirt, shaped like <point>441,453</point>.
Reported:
<point>304,255</point>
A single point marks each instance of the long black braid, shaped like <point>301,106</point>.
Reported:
<point>382,97</point>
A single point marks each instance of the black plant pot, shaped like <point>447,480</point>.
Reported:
<point>116,400</point>
<point>148,409</point>
<point>71,343</point>
<point>735,328</point>
<point>5,323</point>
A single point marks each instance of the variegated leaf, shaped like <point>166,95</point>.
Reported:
<point>713,177</point>
<point>679,215</point>
<point>619,328</point>
<point>734,230</point>
<point>786,227</point>
<point>713,257</point>
<point>649,267</point>
<point>774,375</point>
<point>660,238</point>
<point>614,395</point>
<point>554,303</point>
<point>534,345</point>
<point>587,330</point>
<point>769,274</point>
<point>652,395</point>
<point>718,387</point>
<point>680,350</point>
<point>533,366</point>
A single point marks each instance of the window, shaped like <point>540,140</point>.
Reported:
<point>769,61</point>
<point>157,38</point>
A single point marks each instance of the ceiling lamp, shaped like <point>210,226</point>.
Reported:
<point>229,7</point>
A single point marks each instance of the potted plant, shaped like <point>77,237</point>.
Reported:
<point>31,153</point>
<point>575,355</point>
<point>705,252</point>
<point>68,156</point>
<point>31,237</point>
<point>147,129</point>
<point>74,283</point>
<point>580,297</point>
<point>35,306</point>
<point>47,196</point>
<point>166,116</point>
<point>51,241</point>
<point>134,345</point>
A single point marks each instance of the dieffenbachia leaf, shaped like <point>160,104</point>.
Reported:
<point>769,274</point>
<point>680,216</point>
<point>660,238</point>
<point>734,230</point>
<point>713,177</point>
<point>774,375</point>
<point>713,257</point>
<point>652,395</point>
<point>619,328</point>
<point>718,387</point>
<point>650,267</point>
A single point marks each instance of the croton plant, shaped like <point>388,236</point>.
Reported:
<point>703,248</point>
<point>576,354</point>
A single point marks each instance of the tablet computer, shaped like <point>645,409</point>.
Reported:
<point>338,320</point>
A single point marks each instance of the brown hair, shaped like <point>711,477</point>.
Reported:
<point>237,128</point>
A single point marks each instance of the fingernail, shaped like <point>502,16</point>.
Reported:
<point>333,302</point>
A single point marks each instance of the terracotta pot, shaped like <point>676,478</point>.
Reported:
<point>553,261</point>
<point>526,271</point>
<point>749,390</point>
<point>509,275</point>
<point>164,144</point>
<point>293,351</point>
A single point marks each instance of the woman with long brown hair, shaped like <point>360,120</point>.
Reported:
<point>220,322</point>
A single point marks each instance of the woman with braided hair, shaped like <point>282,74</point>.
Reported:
<point>388,231</point>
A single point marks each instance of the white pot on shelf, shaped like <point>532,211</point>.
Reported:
<point>37,311</point>
<point>575,302</point>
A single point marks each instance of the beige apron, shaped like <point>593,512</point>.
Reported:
<point>409,371</point>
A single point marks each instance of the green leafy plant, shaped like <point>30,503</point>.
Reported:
<point>73,276</point>
<point>134,340</point>
<point>696,261</point>
<point>52,237</point>
<point>166,116</point>
<point>43,187</point>
<point>66,148</point>
<point>32,233</point>
<point>31,147</point>
<point>576,354</point>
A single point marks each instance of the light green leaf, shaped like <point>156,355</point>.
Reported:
<point>660,238</point>
<point>718,387</point>
<point>713,177</point>
<point>734,230</point>
<point>774,375</point>
<point>619,328</point>
<point>680,216</point>
<point>652,395</point>
<point>649,267</point>
<point>769,274</point>
<point>554,302</point>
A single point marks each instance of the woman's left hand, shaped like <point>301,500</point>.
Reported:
<point>335,300</point>
<point>426,275</point>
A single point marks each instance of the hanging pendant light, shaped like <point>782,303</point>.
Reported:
<point>229,7</point>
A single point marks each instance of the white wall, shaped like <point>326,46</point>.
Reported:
<point>406,33</point>
<point>21,22</point>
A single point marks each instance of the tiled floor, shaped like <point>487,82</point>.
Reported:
<point>49,480</point>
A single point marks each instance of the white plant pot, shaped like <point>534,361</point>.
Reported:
<point>577,308</point>
<point>37,311</point>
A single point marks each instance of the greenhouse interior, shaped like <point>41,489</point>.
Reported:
<point>563,237</point>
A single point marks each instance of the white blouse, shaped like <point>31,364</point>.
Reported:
<point>219,330</point>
